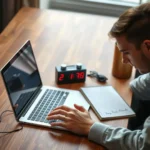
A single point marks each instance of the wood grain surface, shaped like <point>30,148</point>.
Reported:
<point>58,37</point>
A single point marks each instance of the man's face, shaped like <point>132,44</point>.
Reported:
<point>135,57</point>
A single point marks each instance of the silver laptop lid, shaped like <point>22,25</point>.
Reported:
<point>21,78</point>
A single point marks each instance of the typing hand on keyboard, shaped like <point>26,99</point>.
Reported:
<point>49,101</point>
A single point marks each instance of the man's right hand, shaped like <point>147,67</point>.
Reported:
<point>75,120</point>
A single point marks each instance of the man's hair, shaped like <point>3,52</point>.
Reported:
<point>134,24</point>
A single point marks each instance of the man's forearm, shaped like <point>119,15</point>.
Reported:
<point>121,138</point>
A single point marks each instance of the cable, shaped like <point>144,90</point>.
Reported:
<point>99,77</point>
<point>3,113</point>
<point>16,130</point>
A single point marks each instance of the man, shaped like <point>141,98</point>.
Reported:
<point>132,34</point>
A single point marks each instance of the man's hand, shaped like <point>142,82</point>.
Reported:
<point>75,120</point>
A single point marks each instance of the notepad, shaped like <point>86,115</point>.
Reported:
<point>106,102</point>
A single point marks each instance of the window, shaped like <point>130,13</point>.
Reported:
<point>123,2</point>
<point>105,7</point>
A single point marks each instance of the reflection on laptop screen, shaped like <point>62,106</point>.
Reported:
<point>21,77</point>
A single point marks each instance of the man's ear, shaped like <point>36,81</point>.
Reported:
<point>146,48</point>
<point>147,44</point>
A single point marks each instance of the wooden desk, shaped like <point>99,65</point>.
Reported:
<point>58,37</point>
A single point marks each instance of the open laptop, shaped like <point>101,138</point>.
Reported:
<point>31,101</point>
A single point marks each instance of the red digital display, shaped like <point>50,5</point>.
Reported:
<point>71,76</point>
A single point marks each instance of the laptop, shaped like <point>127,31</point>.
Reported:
<point>31,101</point>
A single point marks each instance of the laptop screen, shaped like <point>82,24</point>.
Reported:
<point>21,77</point>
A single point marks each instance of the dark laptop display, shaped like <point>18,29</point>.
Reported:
<point>22,78</point>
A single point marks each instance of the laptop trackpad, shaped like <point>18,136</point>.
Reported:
<point>75,97</point>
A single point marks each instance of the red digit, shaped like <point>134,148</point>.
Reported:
<point>61,77</point>
<point>80,75</point>
<point>71,76</point>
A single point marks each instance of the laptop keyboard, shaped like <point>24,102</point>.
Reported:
<point>50,100</point>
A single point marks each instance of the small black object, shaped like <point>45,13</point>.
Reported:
<point>100,77</point>
<point>79,66</point>
<point>63,66</point>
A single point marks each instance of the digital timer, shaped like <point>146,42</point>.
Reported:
<point>70,74</point>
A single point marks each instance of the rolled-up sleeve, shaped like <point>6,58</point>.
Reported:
<point>121,138</point>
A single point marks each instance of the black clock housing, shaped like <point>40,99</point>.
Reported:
<point>70,74</point>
